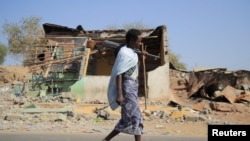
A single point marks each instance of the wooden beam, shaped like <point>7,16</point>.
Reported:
<point>52,58</point>
<point>86,62</point>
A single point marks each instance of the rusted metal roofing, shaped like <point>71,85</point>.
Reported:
<point>53,29</point>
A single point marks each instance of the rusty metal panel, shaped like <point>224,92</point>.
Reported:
<point>229,94</point>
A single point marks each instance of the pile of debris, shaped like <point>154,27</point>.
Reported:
<point>193,103</point>
<point>8,74</point>
<point>220,89</point>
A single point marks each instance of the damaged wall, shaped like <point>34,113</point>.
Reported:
<point>158,87</point>
<point>86,55</point>
<point>91,88</point>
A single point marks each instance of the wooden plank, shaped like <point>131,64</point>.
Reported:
<point>52,57</point>
<point>68,59</point>
<point>86,62</point>
<point>44,63</point>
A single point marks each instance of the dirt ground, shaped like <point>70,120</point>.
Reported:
<point>8,74</point>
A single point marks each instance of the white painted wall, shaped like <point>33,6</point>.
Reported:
<point>95,87</point>
<point>158,83</point>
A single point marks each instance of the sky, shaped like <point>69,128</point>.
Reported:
<point>203,33</point>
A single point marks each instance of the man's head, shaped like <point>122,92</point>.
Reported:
<point>133,38</point>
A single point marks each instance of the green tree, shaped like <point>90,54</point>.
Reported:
<point>23,35</point>
<point>175,60</point>
<point>3,53</point>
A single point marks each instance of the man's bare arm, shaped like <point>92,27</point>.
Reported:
<point>120,97</point>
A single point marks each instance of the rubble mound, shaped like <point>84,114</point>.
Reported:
<point>8,74</point>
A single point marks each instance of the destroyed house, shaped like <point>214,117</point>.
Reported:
<point>80,61</point>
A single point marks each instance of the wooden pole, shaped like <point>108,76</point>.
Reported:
<point>86,62</point>
<point>145,79</point>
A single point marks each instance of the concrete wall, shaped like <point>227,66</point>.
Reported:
<point>158,83</point>
<point>95,88</point>
<point>158,79</point>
